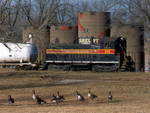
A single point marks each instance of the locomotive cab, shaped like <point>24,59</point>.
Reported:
<point>119,44</point>
<point>116,43</point>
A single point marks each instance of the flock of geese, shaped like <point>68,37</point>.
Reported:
<point>60,98</point>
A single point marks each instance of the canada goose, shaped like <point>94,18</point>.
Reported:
<point>54,98</point>
<point>110,97</point>
<point>60,97</point>
<point>34,96</point>
<point>40,101</point>
<point>79,96</point>
<point>10,100</point>
<point>90,95</point>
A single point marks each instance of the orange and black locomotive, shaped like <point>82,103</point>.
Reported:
<point>109,55</point>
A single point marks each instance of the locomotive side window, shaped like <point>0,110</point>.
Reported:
<point>107,44</point>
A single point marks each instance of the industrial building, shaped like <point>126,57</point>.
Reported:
<point>93,24</point>
<point>63,34</point>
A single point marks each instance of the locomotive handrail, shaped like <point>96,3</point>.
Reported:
<point>6,46</point>
<point>18,46</point>
<point>124,53</point>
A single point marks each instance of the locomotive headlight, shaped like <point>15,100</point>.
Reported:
<point>121,38</point>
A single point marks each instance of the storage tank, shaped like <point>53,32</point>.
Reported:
<point>18,53</point>
<point>40,37</point>
<point>135,42</point>
<point>147,55</point>
<point>63,34</point>
<point>94,24</point>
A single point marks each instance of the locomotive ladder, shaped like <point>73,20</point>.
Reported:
<point>123,67</point>
<point>124,63</point>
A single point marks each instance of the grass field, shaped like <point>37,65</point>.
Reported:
<point>131,91</point>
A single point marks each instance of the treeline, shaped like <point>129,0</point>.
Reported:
<point>14,14</point>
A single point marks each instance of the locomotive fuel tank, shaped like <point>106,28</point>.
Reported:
<point>18,53</point>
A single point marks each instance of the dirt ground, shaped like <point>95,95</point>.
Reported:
<point>131,91</point>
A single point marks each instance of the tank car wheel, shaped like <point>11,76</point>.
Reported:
<point>93,69</point>
<point>17,68</point>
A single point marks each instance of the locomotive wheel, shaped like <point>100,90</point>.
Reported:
<point>73,69</point>
<point>17,68</point>
<point>103,68</point>
<point>95,68</point>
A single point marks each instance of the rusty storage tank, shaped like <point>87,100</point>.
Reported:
<point>135,42</point>
<point>40,37</point>
<point>63,34</point>
<point>147,55</point>
<point>93,24</point>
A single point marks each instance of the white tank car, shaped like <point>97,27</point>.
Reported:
<point>18,53</point>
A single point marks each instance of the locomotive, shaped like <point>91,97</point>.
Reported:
<point>108,55</point>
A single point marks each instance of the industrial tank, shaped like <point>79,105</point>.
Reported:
<point>41,37</point>
<point>18,53</point>
<point>63,34</point>
<point>93,24</point>
<point>135,42</point>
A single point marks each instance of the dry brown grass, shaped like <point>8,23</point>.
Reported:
<point>131,91</point>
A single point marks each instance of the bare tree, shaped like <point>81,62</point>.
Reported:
<point>65,15</point>
<point>9,15</point>
<point>27,12</point>
<point>103,5</point>
<point>47,12</point>
<point>137,12</point>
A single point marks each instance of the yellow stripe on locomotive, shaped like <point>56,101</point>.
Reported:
<point>80,51</point>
